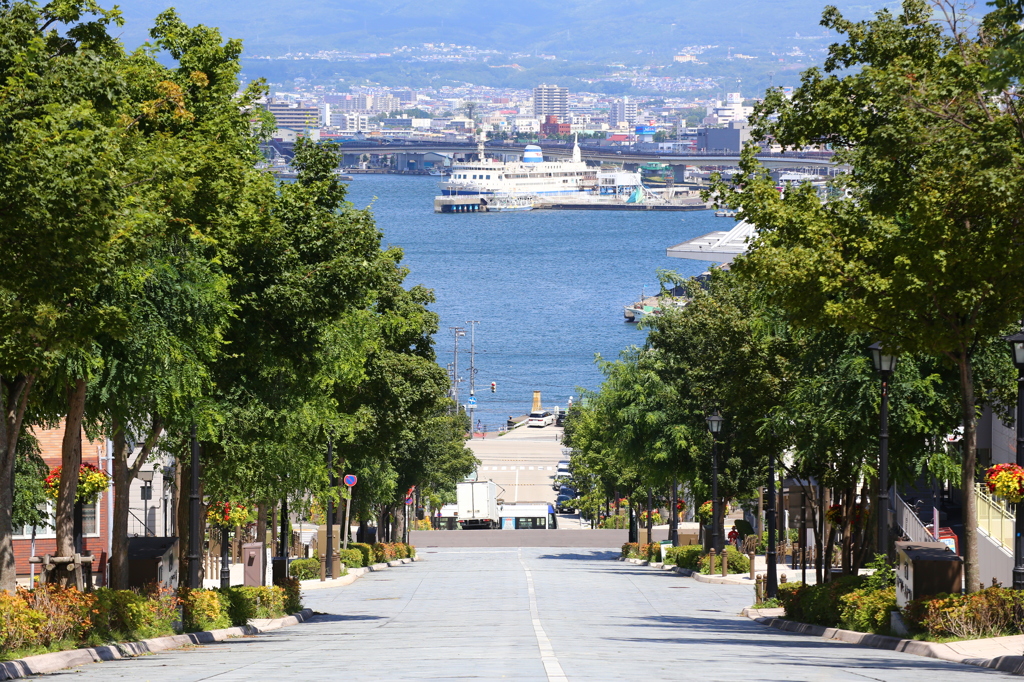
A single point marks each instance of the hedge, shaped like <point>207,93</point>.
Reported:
<point>366,551</point>
<point>687,556</point>
<point>737,561</point>
<point>305,569</point>
<point>51,618</point>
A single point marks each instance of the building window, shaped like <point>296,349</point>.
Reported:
<point>90,523</point>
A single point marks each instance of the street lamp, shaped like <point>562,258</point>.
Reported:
<point>1017,346</point>
<point>771,555</point>
<point>885,365</point>
<point>147,494</point>
<point>714,426</point>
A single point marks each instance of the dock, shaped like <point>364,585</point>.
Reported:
<point>473,203</point>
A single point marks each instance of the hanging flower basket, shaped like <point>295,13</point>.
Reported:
<point>227,514</point>
<point>1006,481</point>
<point>704,513</point>
<point>91,482</point>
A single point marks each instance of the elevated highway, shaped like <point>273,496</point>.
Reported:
<point>593,153</point>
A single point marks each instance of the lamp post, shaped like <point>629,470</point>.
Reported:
<point>329,550</point>
<point>885,365</point>
<point>146,476</point>
<point>714,426</point>
<point>193,514</point>
<point>771,554</point>
<point>225,569</point>
<point>1017,346</point>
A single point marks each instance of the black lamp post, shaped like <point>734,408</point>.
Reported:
<point>771,556</point>
<point>714,426</point>
<point>885,365</point>
<point>193,515</point>
<point>1017,345</point>
<point>225,568</point>
<point>329,550</point>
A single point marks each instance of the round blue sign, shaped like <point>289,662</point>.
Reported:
<point>350,480</point>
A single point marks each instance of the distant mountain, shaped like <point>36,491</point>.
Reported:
<point>575,29</point>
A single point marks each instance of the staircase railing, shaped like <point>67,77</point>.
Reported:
<point>995,517</point>
<point>907,520</point>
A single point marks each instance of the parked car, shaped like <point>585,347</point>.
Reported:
<point>540,419</point>
<point>564,504</point>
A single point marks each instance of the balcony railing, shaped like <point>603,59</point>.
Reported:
<point>907,520</point>
<point>995,517</point>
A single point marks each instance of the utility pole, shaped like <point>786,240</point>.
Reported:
<point>472,372</point>
<point>457,331</point>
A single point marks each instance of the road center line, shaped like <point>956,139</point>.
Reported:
<point>547,655</point>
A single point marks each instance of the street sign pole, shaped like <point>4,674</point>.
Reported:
<point>350,480</point>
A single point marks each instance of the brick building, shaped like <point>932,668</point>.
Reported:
<point>94,519</point>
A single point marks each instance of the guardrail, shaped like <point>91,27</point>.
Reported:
<point>994,517</point>
<point>907,520</point>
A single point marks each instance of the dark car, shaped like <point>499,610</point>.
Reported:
<point>564,504</point>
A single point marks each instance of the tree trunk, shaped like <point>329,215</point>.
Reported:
<point>14,393</point>
<point>972,572</point>
<point>124,474</point>
<point>71,462</point>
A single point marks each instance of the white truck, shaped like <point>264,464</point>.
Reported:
<point>478,504</point>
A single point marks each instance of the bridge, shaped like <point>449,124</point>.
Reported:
<point>600,154</point>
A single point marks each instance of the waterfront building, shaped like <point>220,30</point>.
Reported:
<point>551,100</point>
<point>288,115</point>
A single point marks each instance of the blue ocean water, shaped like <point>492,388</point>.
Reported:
<point>547,287</point>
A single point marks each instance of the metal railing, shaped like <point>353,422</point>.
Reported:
<point>995,517</point>
<point>907,520</point>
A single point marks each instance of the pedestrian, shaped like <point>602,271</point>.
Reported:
<point>734,537</point>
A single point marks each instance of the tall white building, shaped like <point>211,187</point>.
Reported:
<point>551,100</point>
<point>732,109</point>
<point>623,112</point>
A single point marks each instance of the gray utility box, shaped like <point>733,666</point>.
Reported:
<point>925,569</point>
<point>254,567</point>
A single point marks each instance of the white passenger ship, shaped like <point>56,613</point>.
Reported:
<point>531,176</point>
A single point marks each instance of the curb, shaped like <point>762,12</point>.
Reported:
<point>352,574</point>
<point>58,660</point>
<point>1006,664</point>
<point>688,573</point>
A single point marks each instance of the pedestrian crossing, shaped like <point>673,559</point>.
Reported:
<point>513,468</point>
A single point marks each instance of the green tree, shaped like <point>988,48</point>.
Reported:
<point>918,246</point>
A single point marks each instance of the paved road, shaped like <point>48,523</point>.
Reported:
<point>533,615</point>
<point>522,462</point>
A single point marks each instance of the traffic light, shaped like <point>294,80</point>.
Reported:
<point>494,387</point>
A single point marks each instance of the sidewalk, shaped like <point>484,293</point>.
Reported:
<point>996,653</point>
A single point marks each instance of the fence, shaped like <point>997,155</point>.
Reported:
<point>907,520</point>
<point>994,517</point>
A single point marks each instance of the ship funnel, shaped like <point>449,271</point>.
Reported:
<point>536,402</point>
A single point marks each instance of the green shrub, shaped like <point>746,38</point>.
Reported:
<point>246,603</point>
<point>412,551</point>
<point>67,612</point>
<point>20,625</point>
<point>687,556</point>
<point>203,610</point>
<point>818,604</point>
<point>292,595</point>
<point>305,569</point>
<point>990,612</point>
<point>615,522</point>
<point>737,562</point>
<point>630,549</point>
<point>867,610</point>
<point>121,615</point>
<point>352,558</point>
<point>366,550</point>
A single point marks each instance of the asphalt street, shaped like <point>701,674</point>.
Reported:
<point>544,615</point>
<point>522,462</point>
